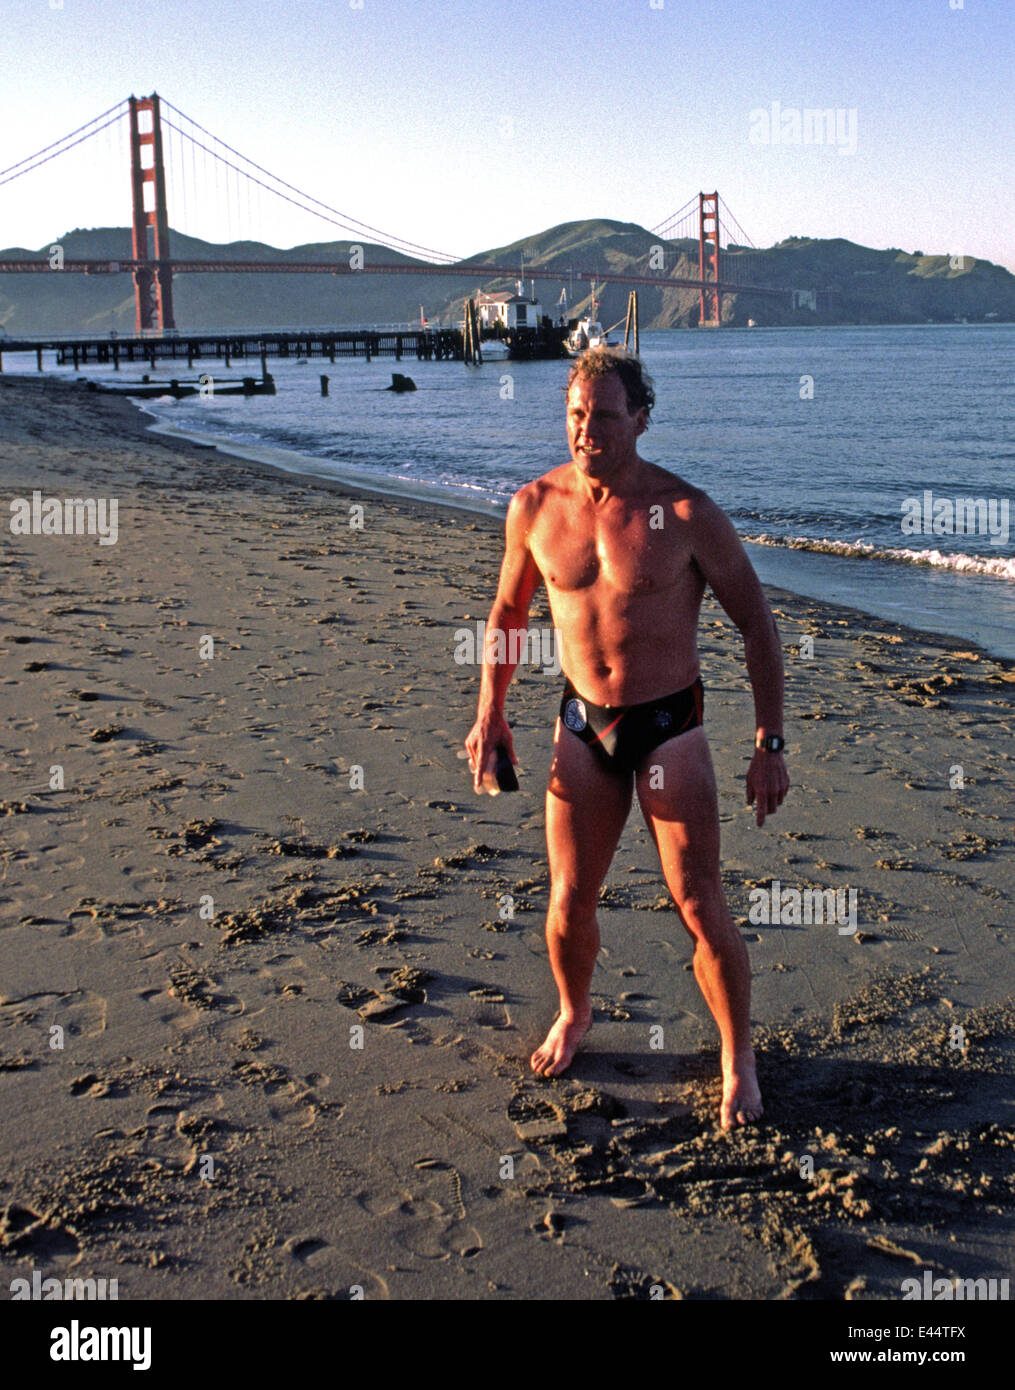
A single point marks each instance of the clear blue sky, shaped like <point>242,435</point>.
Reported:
<point>465,124</point>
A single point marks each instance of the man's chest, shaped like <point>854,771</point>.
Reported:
<point>637,551</point>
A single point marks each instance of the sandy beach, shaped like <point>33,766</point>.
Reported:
<point>271,972</point>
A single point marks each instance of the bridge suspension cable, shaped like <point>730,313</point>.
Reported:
<point>739,266</point>
<point>676,219</point>
<point>724,249</point>
<point>43,156</point>
<point>329,214</point>
<point>725,218</point>
<point>736,253</point>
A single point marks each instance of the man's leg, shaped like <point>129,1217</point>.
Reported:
<point>683,816</point>
<point>586,808</point>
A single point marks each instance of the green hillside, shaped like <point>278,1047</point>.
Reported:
<point>851,284</point>
<point>73,303</point>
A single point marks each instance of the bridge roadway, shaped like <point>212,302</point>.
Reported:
<point>460,268</point>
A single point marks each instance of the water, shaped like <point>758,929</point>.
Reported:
<point>817,486</point>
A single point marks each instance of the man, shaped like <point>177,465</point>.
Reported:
<point>625,549</point>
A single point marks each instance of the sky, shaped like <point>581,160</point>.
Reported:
<point>462,125</point>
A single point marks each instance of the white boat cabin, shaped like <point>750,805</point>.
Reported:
<point>507,310</point>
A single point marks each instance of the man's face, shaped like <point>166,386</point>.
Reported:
<point>601,430</point>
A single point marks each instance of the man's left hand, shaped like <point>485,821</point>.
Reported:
<point>767,783</point>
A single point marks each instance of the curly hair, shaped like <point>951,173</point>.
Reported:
<point>604,361</point>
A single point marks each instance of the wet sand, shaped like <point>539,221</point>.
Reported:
<point>271,972</point>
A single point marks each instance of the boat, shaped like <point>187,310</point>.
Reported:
<point>588,332</point>
<point>147,389</point>
<point>494,349</point>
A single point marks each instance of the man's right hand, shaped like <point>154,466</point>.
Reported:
<point>767,783</point>
<point>486,734</point>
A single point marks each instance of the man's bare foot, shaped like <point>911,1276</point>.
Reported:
<point>560,1045</point>
<point>741,1095</point>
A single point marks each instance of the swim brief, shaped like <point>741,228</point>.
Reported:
<point>622,735</point>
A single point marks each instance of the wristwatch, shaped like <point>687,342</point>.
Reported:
<point>772,743</point>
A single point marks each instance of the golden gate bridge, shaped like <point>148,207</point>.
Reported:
<point>160,135</point>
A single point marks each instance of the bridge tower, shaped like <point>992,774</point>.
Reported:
<point>708,260</point>
<point>153,280</point>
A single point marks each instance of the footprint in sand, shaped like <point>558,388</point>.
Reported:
<point>292,1102</point>
<point>338,1276</point>
<point>170,1010</point>
<point>191,999</point>
<point>165,1139</point>
<point>90,1084</point>
<point>85,1013</point>
<point>24,1234</point>
<point>491,1010</point>
<point>421,1229</point>
<point>308,1250</point>
<point>438,1225</point>
<point>285,974</point>
<point>66,857</point>
<point>80,1013</point>
<point>629,1282</point>
<point>428,1217</point>
<point>535,1118</point>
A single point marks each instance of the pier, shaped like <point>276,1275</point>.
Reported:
<point>423,344</point>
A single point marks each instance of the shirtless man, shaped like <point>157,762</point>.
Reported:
<point>625,549</point>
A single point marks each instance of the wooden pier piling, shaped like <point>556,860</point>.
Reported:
<point>430,344</point>
<point>631,323</point>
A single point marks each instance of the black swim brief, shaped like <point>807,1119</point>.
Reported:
<point>622,735</point>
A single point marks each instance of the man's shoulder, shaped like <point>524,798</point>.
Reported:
<point>534,494</point>
<point>665,486</point>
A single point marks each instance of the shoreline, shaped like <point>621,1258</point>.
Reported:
<point>767,558</point>
<point>296,967</point>
<point>253,458</point>
<point>270,456</point>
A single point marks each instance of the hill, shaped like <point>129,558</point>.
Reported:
<point>75,303</point>
<point>851,283</point>
<point>841,283</point>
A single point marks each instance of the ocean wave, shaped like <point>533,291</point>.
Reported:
<point>993,566</point>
